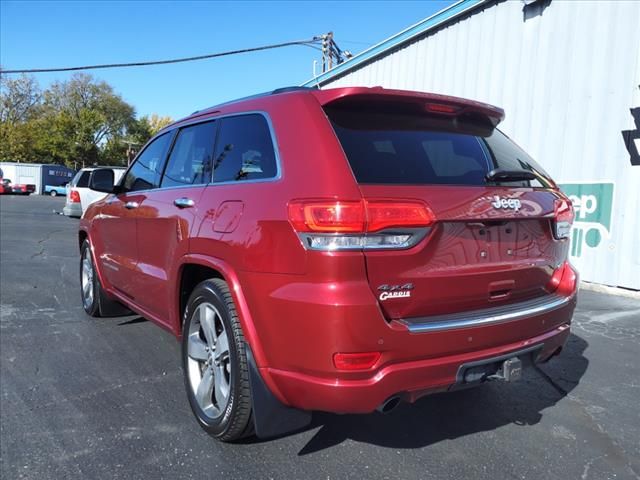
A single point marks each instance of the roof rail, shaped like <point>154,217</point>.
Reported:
<point>250,97</point>
<point>291,89</point>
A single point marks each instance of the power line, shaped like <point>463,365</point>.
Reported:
<point>356,42</point>
<point>308,43</point>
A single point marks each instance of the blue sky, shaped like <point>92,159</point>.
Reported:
<point>55,34</point>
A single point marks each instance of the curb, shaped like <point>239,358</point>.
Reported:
<point>619,291</point>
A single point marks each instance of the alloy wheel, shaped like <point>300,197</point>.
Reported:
<point>87,279</point>
<point>209,363</point>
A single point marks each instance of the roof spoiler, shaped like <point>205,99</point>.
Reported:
<point>432,103</point>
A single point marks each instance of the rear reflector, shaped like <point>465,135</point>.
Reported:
<point>74,196</point>
<point>355,361</point>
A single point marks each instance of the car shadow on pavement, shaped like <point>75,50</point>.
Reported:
<point>132,321</point>
<point>445,416</point>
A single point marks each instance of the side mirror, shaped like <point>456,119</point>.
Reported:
<point>102,180</point>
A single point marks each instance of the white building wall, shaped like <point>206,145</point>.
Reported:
<point>566,79</point>
<point>23,173</point>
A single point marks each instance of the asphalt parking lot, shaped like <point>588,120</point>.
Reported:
<point>104,398</point>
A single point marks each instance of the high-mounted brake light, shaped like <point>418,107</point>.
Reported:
<point>441,108</point>
<point>563,216</point>
<point>355,361</point>
<point>74,196</point>
<point>355,225</point>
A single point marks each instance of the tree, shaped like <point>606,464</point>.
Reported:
<point>156,122</point>
<point>78,122</point>
<point>19,102</point>
<point>93,113</point>
<point>19,98</point>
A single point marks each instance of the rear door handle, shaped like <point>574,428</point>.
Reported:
<point>184,202</point>
<point>131,205</point>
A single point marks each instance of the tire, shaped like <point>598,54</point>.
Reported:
<point>53,193</point>
<point>90,289</point>
<point>214,362</point>
<point>97,304</point>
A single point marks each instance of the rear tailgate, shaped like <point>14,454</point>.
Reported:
<point>475,255</point>
<point>492,242</point>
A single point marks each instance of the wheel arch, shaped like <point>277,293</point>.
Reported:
<point>82,236</point>
<point>195,268</point>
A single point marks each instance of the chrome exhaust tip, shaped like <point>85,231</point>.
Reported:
<point>389,404</point>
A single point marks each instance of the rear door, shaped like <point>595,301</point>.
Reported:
<point>491,242</point>
<point>165,223</point>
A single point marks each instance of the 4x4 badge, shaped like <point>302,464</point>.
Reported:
<point>511,203</point>
<point>395,291</point>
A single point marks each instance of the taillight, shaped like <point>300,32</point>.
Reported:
<point>564,280</point>
<point>563,218</point>
<point>355,225</point>
<point>383,214</point>
<point>332,217</point>
<point>355,361</point>
<point>74,196</point>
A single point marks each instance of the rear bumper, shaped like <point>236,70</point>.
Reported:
<point>410,380</point>
<point>300,323</point>
<point>72,210</point>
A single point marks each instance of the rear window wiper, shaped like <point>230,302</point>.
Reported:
<point>500,175</point>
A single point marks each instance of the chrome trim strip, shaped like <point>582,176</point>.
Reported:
<point>487,316</point>
<point>416,236</point>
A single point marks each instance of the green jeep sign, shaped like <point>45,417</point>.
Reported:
<point>593,204</point>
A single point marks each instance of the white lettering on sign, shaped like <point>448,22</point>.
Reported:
<point>584,205</point>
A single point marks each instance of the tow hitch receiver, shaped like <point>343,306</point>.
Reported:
<point>507,368</point>
<point>509,371</point>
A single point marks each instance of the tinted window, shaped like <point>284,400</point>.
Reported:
<point>244,150</point>
<point>83,180</point>
<point>191,160</point>
<point>401,148</point>
<point>509,156</point>
<point>145,172</point>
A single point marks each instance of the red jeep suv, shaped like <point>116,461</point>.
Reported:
<point>339,250</point>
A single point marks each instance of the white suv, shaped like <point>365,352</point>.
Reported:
<point>80,196</point>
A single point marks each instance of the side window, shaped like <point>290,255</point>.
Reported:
<point>244,150</point>
<point>83,180</point>
<point>145,173</point>
<point>191,160</point>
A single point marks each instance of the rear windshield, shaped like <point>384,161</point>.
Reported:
<point>391,147</point>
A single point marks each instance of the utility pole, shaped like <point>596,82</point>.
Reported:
<point>332,54</point>
<point>327,40</point>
